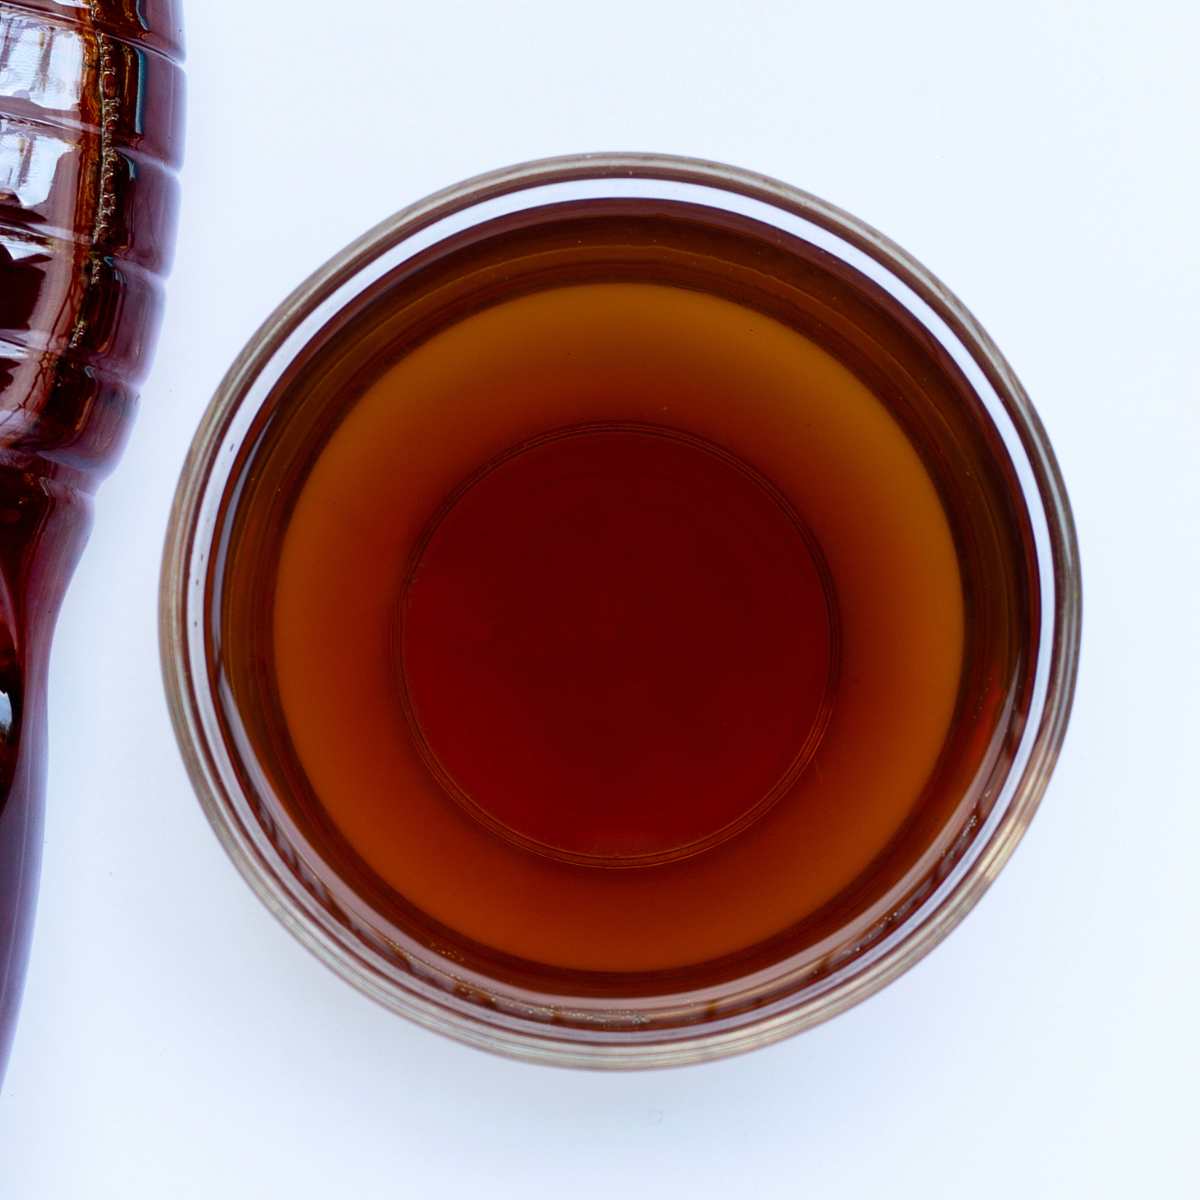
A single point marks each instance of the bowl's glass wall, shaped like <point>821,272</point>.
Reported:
<point>408,976</point>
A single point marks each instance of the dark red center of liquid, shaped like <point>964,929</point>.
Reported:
<point>618,646</point>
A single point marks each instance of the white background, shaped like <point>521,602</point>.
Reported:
<point>1042,159</point>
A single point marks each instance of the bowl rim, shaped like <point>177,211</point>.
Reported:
<point>1066,617</point>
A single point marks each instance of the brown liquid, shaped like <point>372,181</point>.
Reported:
<point>91,108</point>
<point>625,599</point>
<point>618,646</point>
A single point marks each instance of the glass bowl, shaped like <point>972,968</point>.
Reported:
<point>429,986</point>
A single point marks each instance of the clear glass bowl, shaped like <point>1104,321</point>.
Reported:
<point>430,988</point>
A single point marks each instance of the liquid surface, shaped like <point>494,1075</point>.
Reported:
<point>618,646</point>
<point>707,368</point>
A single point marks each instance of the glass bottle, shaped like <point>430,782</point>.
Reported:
<point>91,113</point>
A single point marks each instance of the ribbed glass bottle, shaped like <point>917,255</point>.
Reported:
<point>91,115</point>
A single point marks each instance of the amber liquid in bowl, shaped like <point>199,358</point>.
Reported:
<point>624,597</point>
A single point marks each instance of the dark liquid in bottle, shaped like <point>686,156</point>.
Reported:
<point>625,599</point>
<point>91,107</point>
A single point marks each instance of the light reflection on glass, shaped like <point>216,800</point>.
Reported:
<point>40,63</point>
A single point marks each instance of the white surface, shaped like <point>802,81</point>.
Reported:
<point>1042,159</point>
